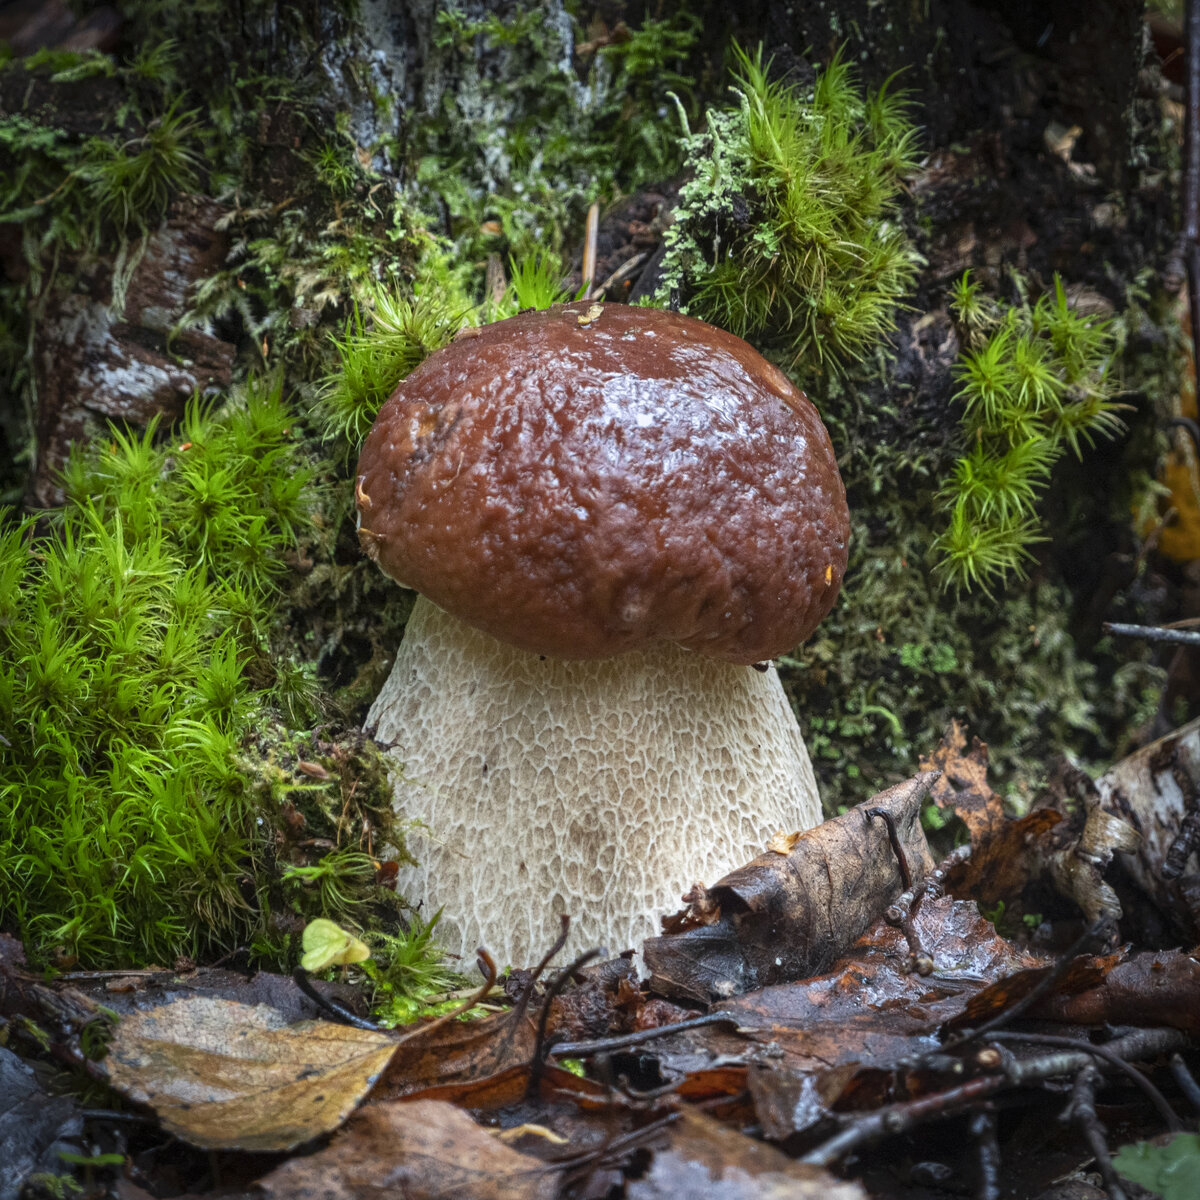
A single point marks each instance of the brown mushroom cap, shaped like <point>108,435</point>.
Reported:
<point>581,485</point>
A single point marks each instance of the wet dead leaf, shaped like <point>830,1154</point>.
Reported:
<point>1006,852</point>
<point>413,1150</point>
<point>869,1008</point>
<point>783,843</point>
<point>1152,988</point>
<point>701,1159</point>
<point>784,917</point>
<point>460,1052</point>
<point>836,1038</point>
<point>224,1075</point>
<point>511,1087</point>
<point>1084,973</point>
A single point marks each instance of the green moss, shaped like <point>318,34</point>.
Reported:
<point>786,232</point>
<point>405,970</point>
<point>398,327</point>
<point>131,182</point>
<point>1034,385</point>
<point>901,656</point>
<point>136,673</point>
<point>376,352</point>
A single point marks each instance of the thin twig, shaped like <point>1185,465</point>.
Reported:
<point>572,1168</point>
<point>1186,1081</point>
<point>1154,633</point>
<point>881,1123</point>
<point>901,913</point>
<point>1081,1112</point>
<point>487,967</point>
<point>935,884</point>
<point>330,1006</point>
<point>1110,1056</point>
<point>626,269</point>
<point>591,234</point>
<point>897,846</point>
<point>527,992</point>
<point>605,1045</point>
<point>555,986</point>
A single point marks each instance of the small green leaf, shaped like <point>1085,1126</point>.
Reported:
<point>329,945</point>
<point>1170,1170</point>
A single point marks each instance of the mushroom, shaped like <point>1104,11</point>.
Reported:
<point>611,514</point>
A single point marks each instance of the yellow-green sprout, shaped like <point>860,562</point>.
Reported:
<point>329,945</point>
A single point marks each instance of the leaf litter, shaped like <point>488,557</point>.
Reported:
<point>841,991</point>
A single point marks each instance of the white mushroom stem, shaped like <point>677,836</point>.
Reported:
<point>603,789</point>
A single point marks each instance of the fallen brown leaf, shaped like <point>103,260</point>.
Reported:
<point>869,1008</point>
<point>1008,854</point>
<point>784,917</point>
<point>224,1075</point>
<point>701,1159</point>
<point>413,1150</point>
<point>1084,972</point>
<point>511,1087</point>
<point>460,1052</point>
<point>837,1038</point>
<point>1152,988</point>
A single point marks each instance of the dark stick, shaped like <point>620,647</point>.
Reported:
<point>1081,1111</point>
<point>555,986</point>
<point>527,992</point>
<point>900,914</point>
<point>572,1168</point>
<point>894,838</point>
<point>983,1130</point>
<point>1186,1081</point>
<point>335,1008</point>
<point>904,1115</point>
<point>1155,1097</point>
<point>604,1045</point>
<point>935,885</point>
<point>1155,633</point>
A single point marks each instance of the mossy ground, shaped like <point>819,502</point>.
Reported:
<point>195,789</point>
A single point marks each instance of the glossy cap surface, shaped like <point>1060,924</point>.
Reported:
<point>592,479</point>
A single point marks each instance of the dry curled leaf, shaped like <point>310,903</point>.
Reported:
<point>962,787</point>
<point>230,1076</point>
<point>783,843</point>
<point>788,916</point>
<point>459,1053</point>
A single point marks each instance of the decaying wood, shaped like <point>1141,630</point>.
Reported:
<point>102,357</point>
<point>1157,791</point>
